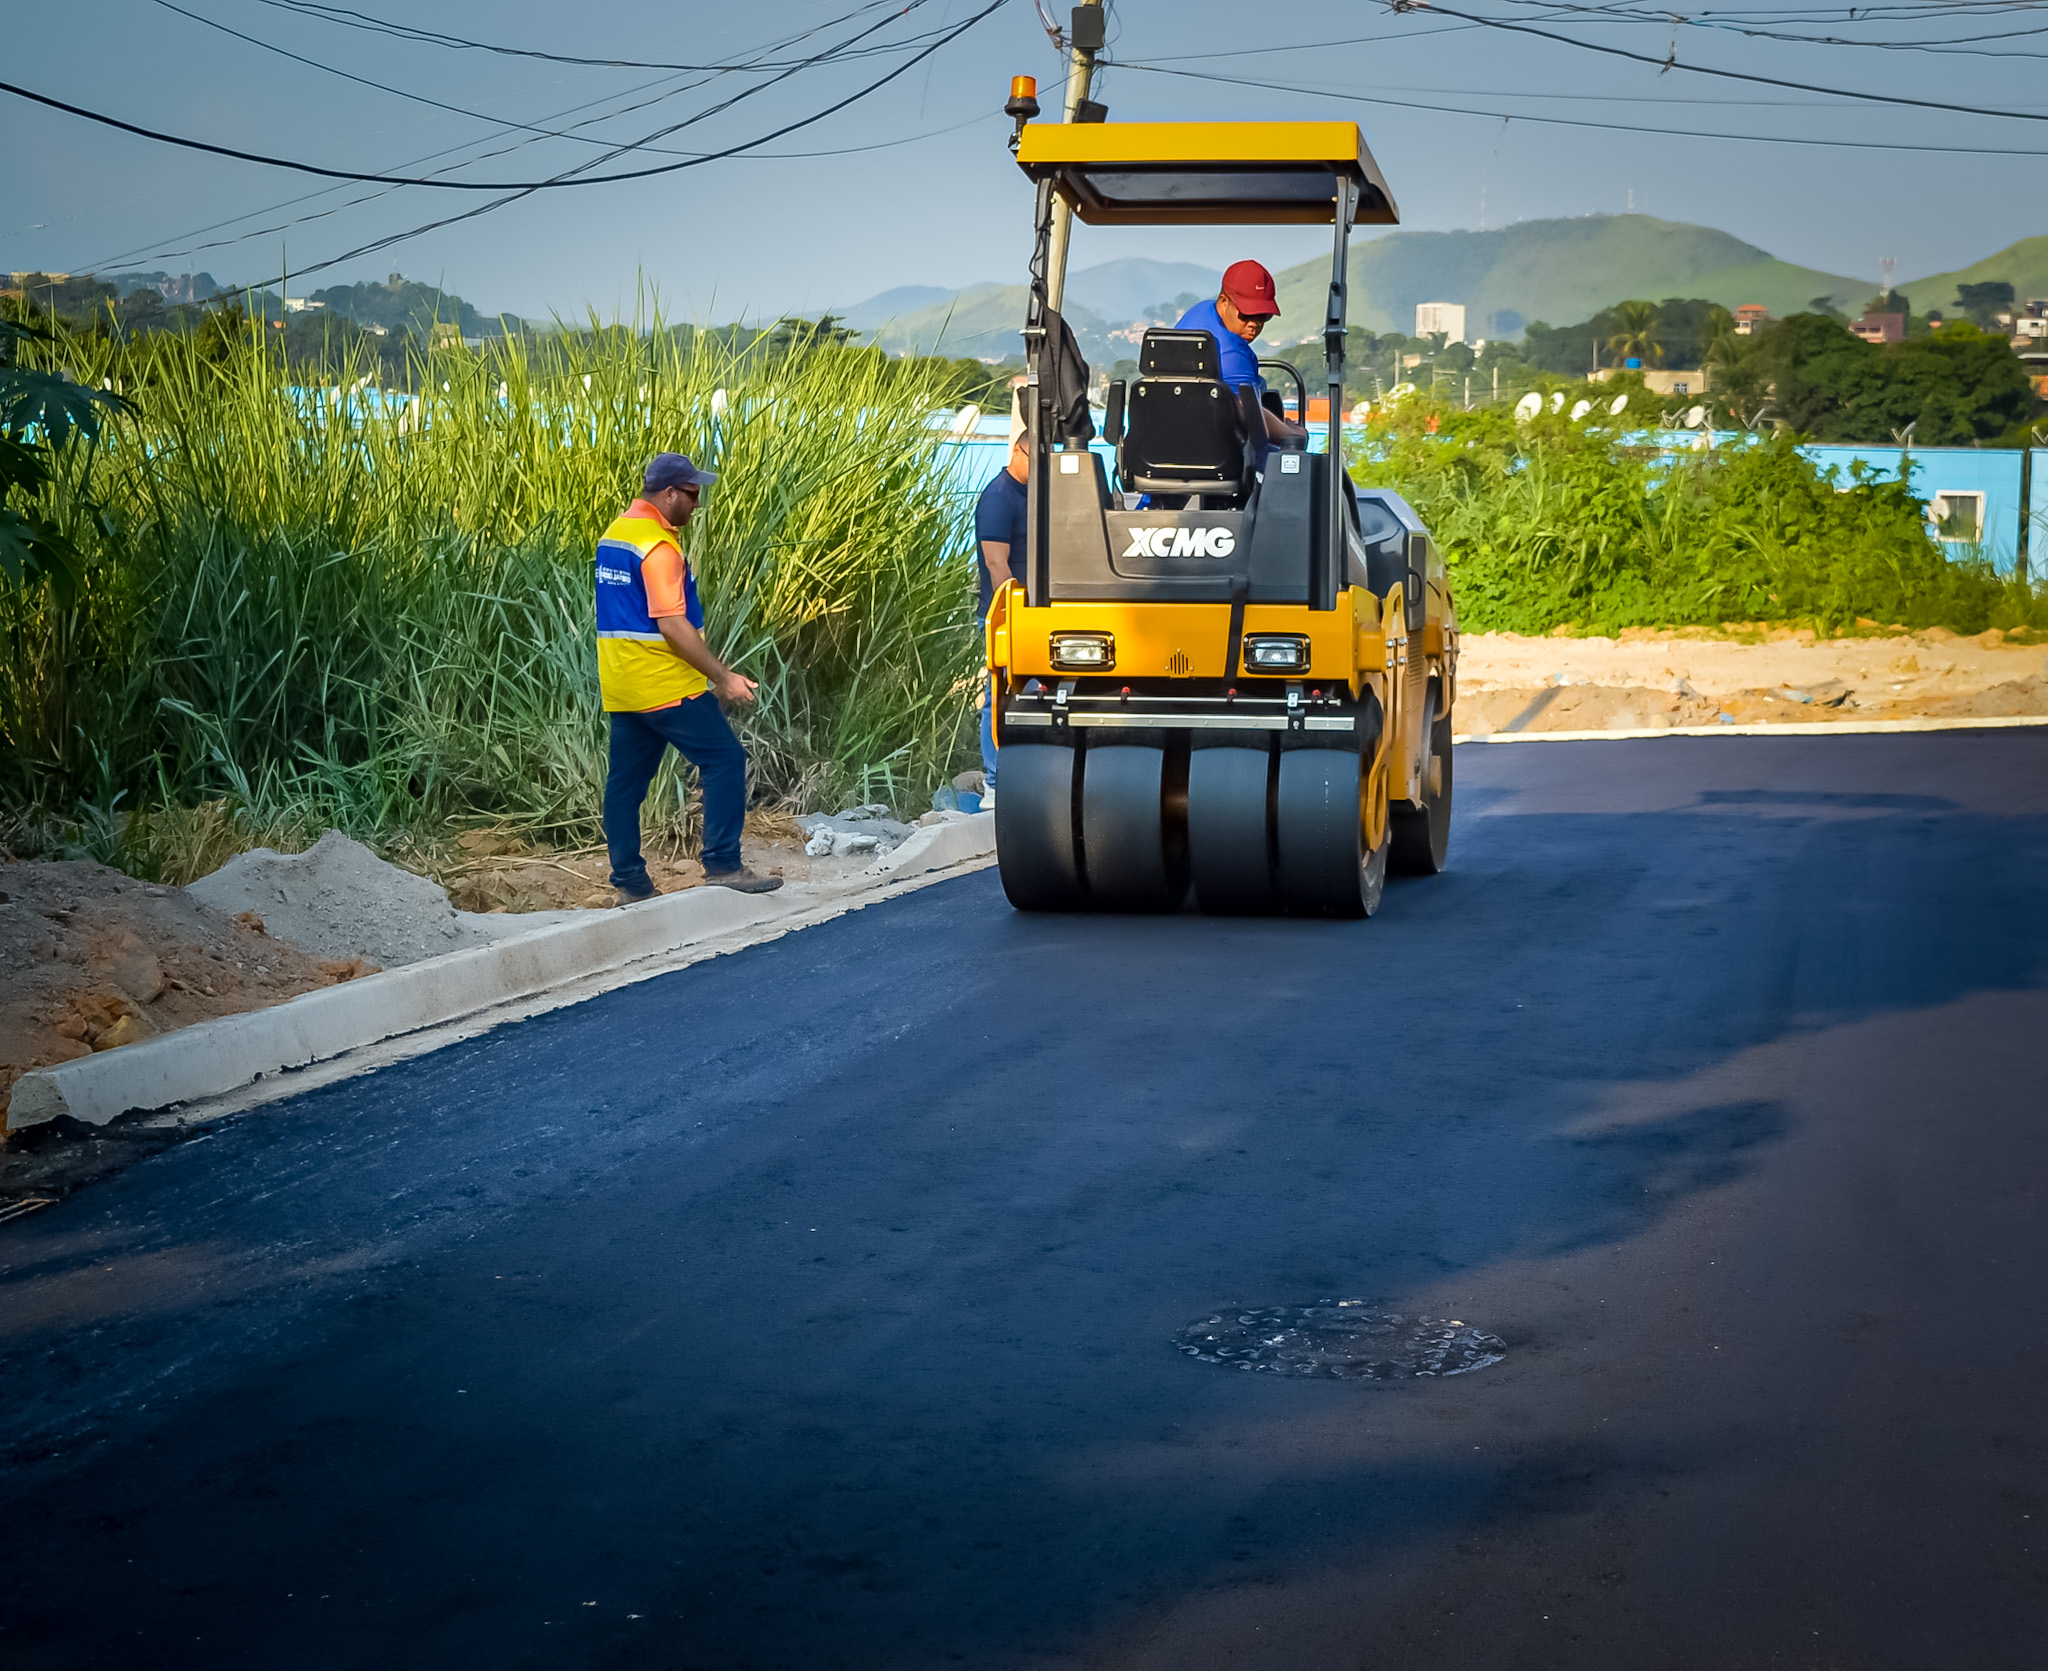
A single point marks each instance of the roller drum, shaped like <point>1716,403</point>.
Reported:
<point>1229,854</point>
<point>1124,848</point>
<point>1422,829</point>
<point>1035,850</point>
<point>1322,862</point>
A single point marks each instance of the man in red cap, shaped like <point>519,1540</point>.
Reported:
<point>1243,305</point>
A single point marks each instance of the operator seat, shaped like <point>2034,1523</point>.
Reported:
<point>1184,430</point>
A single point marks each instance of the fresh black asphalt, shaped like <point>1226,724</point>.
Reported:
<point>813,1307</point>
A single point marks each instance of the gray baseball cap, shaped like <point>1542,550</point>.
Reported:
<point>673,470</point>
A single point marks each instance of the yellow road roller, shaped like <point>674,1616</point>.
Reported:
<point>1228,670</point>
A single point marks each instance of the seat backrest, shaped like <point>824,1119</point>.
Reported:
<point>1184,431</point>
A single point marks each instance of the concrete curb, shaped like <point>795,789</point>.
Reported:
<point>214,1058</point>
<point>1787,728</point>
<point>940,846</point>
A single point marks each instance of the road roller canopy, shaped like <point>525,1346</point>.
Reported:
<point>1206,173</point>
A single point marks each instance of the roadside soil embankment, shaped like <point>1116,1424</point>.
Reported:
<point>92,959</point>
<point>1644,680</point>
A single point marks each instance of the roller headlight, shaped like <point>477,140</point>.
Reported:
<point>1276,653</point>
<point>1083,652</point>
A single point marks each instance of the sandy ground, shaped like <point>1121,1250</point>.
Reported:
<point>1648,679</point>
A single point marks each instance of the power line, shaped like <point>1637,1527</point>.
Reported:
<point>349,18</point>
<point>1671,63</point>
<point>1575,122</point>
<point>742,62</point>
<point>519,186</point>
<point>714,156</point>
<point>379,86</point>
<point>1958,46</point>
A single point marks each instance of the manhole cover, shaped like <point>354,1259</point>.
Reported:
<point>1340,1340</point>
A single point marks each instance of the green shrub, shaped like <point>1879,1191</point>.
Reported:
<point>1552,523</point>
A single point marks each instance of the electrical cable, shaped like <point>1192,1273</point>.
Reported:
<point>349,18</point>
<point>521,186</point>
<point>1572,122</point>
<point>187,249</point>
<point>379,86</point>
<point>1671,63</point>
<point>715,156</point>
<point>1954,46</point>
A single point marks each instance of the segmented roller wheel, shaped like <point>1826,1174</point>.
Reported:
<point>1422,832</point>
<point>1123,837</point>
<point>1228,855</point>
<point>1323,867</point>
<point>1035,851</point>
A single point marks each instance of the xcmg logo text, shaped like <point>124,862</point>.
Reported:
<point>1182,542</point>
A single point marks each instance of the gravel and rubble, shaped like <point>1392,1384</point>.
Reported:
<point>853,832</point>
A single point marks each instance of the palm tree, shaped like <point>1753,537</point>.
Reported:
<point>1719,345</point>
<point>1635,333</point>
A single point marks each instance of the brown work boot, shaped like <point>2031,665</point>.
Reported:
<point>743,880</point>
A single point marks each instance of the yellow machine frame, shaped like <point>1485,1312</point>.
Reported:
<point>1391,648</point>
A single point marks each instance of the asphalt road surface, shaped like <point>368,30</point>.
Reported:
<point>814,1307</point>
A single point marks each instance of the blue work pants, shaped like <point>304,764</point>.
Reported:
<point>701,734</point>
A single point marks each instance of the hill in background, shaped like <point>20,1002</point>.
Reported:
<point>983,320</point>
<point>1554,270</point>
<point>400,303</point>
<point>2023,265</point>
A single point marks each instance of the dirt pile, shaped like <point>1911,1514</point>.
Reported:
<point>338,899</point>
<point>1646,680</point>
<point>92,960</point>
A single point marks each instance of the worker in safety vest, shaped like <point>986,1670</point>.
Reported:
<point>662,685</point>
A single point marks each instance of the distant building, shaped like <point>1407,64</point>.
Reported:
<point>1666,381</point>
<point>1881,327</point>
<point>1750,318</point>
<point>1448,317</point>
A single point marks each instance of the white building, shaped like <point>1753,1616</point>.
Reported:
<point>1448,317</point>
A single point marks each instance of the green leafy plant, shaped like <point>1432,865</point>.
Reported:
<point>1552,523</point>
<point>320,604</point>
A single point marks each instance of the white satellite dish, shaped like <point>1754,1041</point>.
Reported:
<point>1557,401</point>
<point>1528,406</point>
<point>1620,406</point>
<point>963,425</point>
<point>718,403</point>
<point>1695,417</point>
<point>1580,408</point>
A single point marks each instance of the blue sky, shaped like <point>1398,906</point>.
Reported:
<point>939,202</point>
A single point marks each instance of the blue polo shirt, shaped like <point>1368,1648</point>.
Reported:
<point>999,516</point>
<point>1238,359</point>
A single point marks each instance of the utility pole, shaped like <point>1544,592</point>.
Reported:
<point>1086,32</point>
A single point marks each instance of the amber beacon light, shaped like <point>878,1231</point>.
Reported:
<point>1023,105</point>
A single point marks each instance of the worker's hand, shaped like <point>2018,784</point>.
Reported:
<point>735,687</point>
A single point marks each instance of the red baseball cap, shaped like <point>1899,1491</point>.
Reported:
<point>1249,288</point>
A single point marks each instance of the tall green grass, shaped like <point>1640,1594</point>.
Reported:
<point>1551,523</point>
<point>379,616</point>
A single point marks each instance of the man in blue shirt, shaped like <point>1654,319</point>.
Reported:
<point>999,523</point>
<point>1245,301</point>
